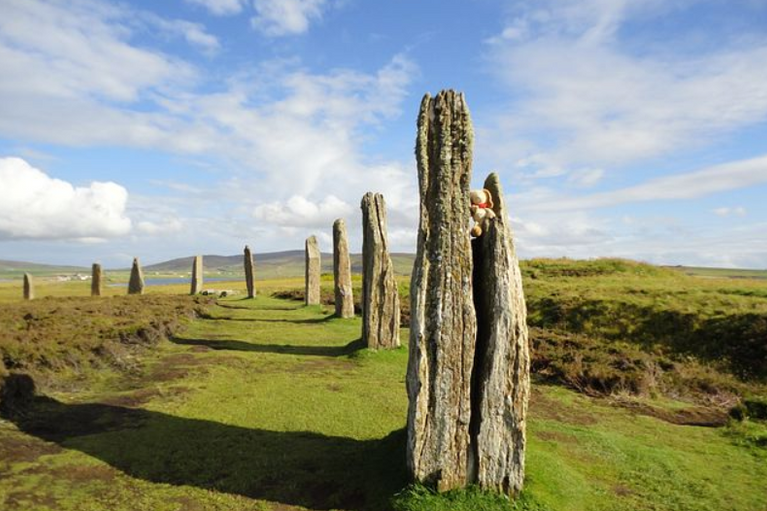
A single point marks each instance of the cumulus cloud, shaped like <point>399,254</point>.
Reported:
<point>297,211</point>
<point>36,206</point>
<point>286,17</point>
<point>728,211</point>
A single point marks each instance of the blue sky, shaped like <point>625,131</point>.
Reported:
<point>630,128</point>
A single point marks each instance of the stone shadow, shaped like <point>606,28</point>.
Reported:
<point>292,468</point>
<point>289,349</point>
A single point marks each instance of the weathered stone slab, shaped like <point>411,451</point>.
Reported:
<point>250,275</point>
<point>312,271</point>
<point>97,280</point>
<point>380,298</point>
<point>501,373</point>
<point>136,282</point>
<point>197,278</point>
<point>342,271</point>
<point>443,323</point>
<point>29,287</point>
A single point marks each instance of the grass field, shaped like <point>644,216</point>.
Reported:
<point>269,405</point>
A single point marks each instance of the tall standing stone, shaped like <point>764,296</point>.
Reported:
<point>342,271</point>
<point>97,280</point>
<point>443,323</point>
<point>380,298</point>
<point>501,374</point>
<point>250,276</point>
<point>197,269</point>
<point>312,271</point>
<point>136,282</point>
<point>29,287</point>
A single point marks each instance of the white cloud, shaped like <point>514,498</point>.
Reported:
<point>599,98</point>
<point>286,17</point>
<point>727,211</point>
<point>37,206</point>
<point>298,211</point>
<point>689,185</point>
<point>221,7</point>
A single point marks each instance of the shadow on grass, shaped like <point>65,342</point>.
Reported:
<point>290,349</point>
<point>260,320</point>
<point>293,468</point>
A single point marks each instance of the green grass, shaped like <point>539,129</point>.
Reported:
<point>265,404</point>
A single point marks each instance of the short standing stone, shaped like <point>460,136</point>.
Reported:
<point>250,276</point>
<point>443,323</point>
<point>380,297</point>
<point>136,282</point>
<point>342,271</point>
<point>501,374</point>
<point>312,271</point>
<point>196,275</point>
<point>97,280</point>
<point>29,287</point>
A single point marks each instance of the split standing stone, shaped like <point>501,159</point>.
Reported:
<point>97,280</point>
<point>136,282</point>
<point>342,271</point>
<point>197,278</point>
<point>29,287</point>
<point>443,323</point>
<point>501,374</point>
<point>312,271</point>
<point>250,280</point>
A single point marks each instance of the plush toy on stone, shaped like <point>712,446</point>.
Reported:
<point>481,209</point>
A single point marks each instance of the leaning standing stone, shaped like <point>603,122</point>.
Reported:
<point>501,374</point>
<point>342,271</point>
<point>443,322</point>
<point>97,280</point>
<point>29,287</point>
<point>196,275</point>
<point>380,297</point>
<point>312,271</point>
<point>136,282</point>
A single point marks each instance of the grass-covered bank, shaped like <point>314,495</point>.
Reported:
<point>266,404</point>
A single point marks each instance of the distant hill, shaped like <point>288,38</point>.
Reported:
<point>10,269</point>
<point>273,264</point>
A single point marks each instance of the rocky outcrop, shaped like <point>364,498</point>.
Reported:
<point>250,275</point>
<point>468,371</point>
<point>136,282</point>
<point>342,271</point>
<point>443,323</point>
<point>97,280</point>
<point>29,287</point>
<point>380,297</point>
<point>196,285</point>
<point>312,271</point>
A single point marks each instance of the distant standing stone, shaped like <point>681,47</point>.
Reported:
<point>380,298</point>
<point>312,271</point>
<point>29,287</point>
<point>342,271</point>
<point>97,280</point>
<point>250,277</point>
<point>196,275</point>
<point>136,282</point>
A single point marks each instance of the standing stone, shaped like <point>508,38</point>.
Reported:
<point>501,374</point>
<point>342,271</point>
<point>443,323</point>
<point>136,282</point>
<point>29,287</point>
<point>380,297</point>
<point>196,275</point>
<point>312,271</point>
<point>250,278</point>
<point>97,280</point>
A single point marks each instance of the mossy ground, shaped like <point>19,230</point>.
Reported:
<point>268,405</point>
